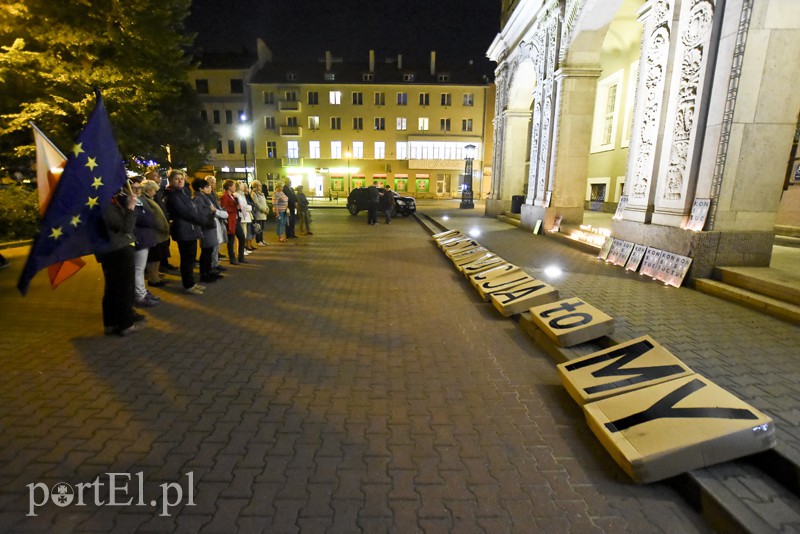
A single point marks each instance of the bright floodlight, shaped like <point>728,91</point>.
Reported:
<point>553,271</point>
<point>475,232</point>
<point>244,131</point>
<point>445,218</point>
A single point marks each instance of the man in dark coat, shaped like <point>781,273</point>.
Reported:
<point>291,210</point>
<point>185,228</point>
<point>372,204</point>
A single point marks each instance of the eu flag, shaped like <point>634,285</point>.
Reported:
<point>72,226</point>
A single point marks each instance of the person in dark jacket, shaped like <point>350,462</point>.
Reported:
<point>117,260</point>
<point>210,235</point>
<point>162,248</point>
<point>372,203</point>
<point>387,203</point>
<point>185,228</point>
<point>145,234</point>
<point>291,210</point>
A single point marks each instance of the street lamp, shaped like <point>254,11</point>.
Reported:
<point>244,134</point>
<point>466,188</point>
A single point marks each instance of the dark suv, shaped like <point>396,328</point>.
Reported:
<point>358,199</point>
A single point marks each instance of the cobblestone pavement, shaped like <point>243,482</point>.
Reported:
<point>349,381</point>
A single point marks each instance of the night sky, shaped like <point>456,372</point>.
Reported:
<point>459,30</point>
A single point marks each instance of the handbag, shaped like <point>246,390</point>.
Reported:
<point>257,229</point>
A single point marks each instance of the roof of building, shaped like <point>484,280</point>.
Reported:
<point>386,71</point>
<point>223,61</point>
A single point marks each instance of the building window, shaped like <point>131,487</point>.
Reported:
<point>291,96</point>
<point>313,122</point>
<point>291,76</point>
<point>423,124</point>
<point>402,99</point>
<point>446,100</point>
<point>336,150</point>
<point>380,150</point>
<point>201,86</point>
<point>272,149</point>
<point>408,77</point>
<point>269,98</point>
<point>444,125</point>
<point>228,116</point>
<point>237,87</point>
<point>469,99</point>
<point>335,97</point>
<point>219,146</point>
<point>368,77</point>
<point>358,98</point>
<point>231,147</point>
<point>293,149</point>
<point>606,113</point>
<point>424,99</point>
<point>380,123</point>
<point>358,123</point>
<point>313,98</point>
<point>291,121</point>
<point>358,149</point>
<point>313,149</point>
<point>330,76</point>
<point>402,150</point>
<point>204,115</point>
<point>243,146</point>
<point>336,123</point>
<point>443,78</point>
<point>401,123</point>
<point>380,99</point>
<point>216,116</point>
<point>269,123</point>
<point>466,125</point>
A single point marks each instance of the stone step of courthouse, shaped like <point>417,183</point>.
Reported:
<point>787,241</point>
<point>773,283</point>
<point>766,304</point>
<point>510,218</point>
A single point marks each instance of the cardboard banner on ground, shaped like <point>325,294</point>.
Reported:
<point>445,234</point>
<point>635,258</point>
<point>571,321</point>
<point>523,297</point>
<point>502,283</point>
<point>605,250</point>
<point>463,246</point>
<point>468,256</point>
<point>650,262</point>
<point>483,264</point>
<point>667,429</point>
<point>494,272</point>
<point>621,254</point>
<point>672,268</point>
<point>635,364</point>
<point>450,238</point>
<point>454,243</point>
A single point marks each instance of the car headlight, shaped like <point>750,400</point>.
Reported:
<point>401,203</point>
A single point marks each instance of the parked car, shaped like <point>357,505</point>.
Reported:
<point>358,199</point>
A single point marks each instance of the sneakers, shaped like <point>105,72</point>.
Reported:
<point>194,290</point>
<point>152,297</point>
<point>247,252</point>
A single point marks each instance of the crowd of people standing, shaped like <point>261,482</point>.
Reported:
<point>149,212</point>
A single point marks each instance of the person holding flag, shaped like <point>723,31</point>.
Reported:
<point>74,223</point>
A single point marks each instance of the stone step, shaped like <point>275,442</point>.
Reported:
<point>772,283</point>
<point>776,308</point>
<point>509,218</point>
<point>787,241</point>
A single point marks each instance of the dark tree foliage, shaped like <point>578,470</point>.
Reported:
<point>53,54</point>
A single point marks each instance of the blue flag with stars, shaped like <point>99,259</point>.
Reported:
<point>73,225</point>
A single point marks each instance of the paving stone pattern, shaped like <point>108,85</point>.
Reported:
<point>347,382</point>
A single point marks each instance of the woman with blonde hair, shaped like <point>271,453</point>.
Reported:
<point>260,212</point>
<point>280,202</point>
<point>246,212</point>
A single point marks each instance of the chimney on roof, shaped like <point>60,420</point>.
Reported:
<point>399,61</point>
<point>433,62</point>
<point>372,60</point>
<point>328,60</point>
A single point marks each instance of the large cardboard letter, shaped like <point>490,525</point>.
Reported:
<point>523,297</point>
<point>502,283</point>
<point>571,321</point>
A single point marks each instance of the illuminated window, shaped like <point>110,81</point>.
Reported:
<point>358,149</point>
<point>313,122</point>
<point>335,97</point>
<point>423,124</point>
<point>380,123</point>
<point>292,149</point>
<point>469,99</point>
<point>336,149</point>
<point>401,123</point>
<point>402,150</point>
<point>380,150</point>
<point>358,123</point>
<point>336,123</point>
<point>606,113</point>
<point>313,149</point>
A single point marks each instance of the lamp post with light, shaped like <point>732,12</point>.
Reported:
<point>244,134</point>
<point>466,187</point>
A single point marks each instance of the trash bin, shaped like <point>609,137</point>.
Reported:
<point>516,203</point>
